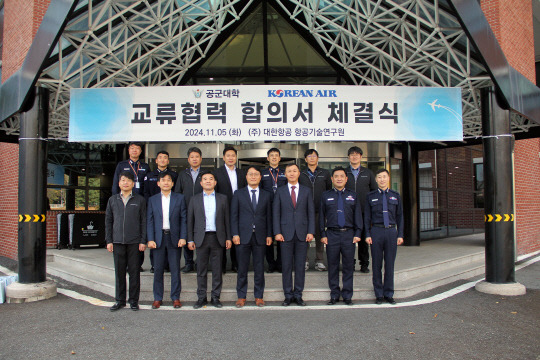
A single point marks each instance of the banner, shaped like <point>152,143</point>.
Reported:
<point>266,112</point>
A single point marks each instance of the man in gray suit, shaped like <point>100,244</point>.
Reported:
<point>294,226</point>
<point>209,231</point>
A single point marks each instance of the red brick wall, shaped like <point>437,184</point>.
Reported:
<point>9,163</point>
<point>512,23</point>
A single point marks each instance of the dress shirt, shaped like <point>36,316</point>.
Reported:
<point>232,178</point>
<point>165,205</point>
<point>296,187</point>
<point>256,193</point>
<point>210,210</point>
<point>355,171</point>
<point>194,173</point>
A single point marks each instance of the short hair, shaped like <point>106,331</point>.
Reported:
<point>253,167</point>
<point>273,150</point>
<point>194,149</point>
<point>162,152</point>
<point>339,168</point>
<point>206,172</point>
<point>309,152</point>
<point>162,174</point>
<point>128,174</point>
<point>229,148</point>
<point>136,143</point>
<point>381,171</point>
<point>289,165</point>
<point>355,149</point>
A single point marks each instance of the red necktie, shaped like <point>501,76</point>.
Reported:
<point>293,196</point>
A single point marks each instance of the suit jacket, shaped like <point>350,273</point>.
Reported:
<point>289,220</point>
<point>177,218</point>
<point>196,219</point>
<point>243,217</point>
<point>224,182</point>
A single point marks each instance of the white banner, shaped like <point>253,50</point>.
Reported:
<point>266,112</point>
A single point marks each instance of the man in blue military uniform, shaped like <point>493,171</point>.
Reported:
<point>135,165</point>
<point>341,226</point>
<point>272,178</point>
<point>151,188</point>
<point>139,170</point>
<point>383,221</point>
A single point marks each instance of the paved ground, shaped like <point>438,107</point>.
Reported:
<point>470,325</point>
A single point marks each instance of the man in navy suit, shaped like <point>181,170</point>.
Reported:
<point>167,233</point>
<point>294,226</point>
<point>251,226</point>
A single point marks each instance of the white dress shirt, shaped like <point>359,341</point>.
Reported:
<point>296,187</point>
<point>165,205</point>
<point>232,178</point>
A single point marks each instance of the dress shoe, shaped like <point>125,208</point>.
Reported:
<point>117,306</point>
<point>332,301</point>
<point>300,301</point>
<point>240,303</point>
<point>286,302</point>
<point>200,303</point>
<point>364,269</point>
<point>390,300</point>
<point>320,267</point>
<point>347,301</point>
<point>259,302</point>
<point>215,301</point>
<point>134,306</point>
<point>152,269</point>
<point>187,269</point>
<point>156,304</point>
<point>177,304</point>
<point>379,301</point>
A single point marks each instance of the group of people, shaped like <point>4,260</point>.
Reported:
<point>244,211</point>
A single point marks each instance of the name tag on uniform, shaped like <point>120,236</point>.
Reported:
<point>266,175</point>
<point>330,199</point>
<point>137,185</point>
<point>374,199</point>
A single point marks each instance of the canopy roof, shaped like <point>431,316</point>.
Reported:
<point>112,43</point>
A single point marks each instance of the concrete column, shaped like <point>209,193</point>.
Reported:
<point>498,194</point>
<point>32,284</point>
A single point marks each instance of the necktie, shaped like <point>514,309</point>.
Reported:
<point>293,196</point>
<point>340,210</point>
<point>385,210</point>
<point>254,199</point>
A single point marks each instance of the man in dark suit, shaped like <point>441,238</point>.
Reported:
<point>251,225</point>
<point>189,184</point>
<point>229,179</point>
<point>272,178</point>
<point>167,232</point>
<point>294,226</point>
<point>209,231</point>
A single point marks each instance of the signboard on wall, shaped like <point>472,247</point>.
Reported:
<point>266,112</point>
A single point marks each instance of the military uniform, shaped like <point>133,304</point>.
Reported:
<point>340,221</point>
<point>384,231</point>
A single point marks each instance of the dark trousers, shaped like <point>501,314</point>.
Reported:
<point>363,251</point>
<point>166,259</point>
<point>243,254</point>
<point>234,261</point>
<point>293,255</point>
<point>210,251</point>
<point>188,256</point>
<point>319,246</point>
<point>384,247</point>
<point>167,251</point>
<point>274,263</point>
<point>340,243</point>
<point>127,259</point>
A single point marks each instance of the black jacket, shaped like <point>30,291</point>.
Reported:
<point>185,185</point>
<point>125,224</point>
<point>224,182</point>
<point>322,183</point>
<point>362,185</point>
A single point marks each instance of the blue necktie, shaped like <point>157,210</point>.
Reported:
<point>340,210</point>
<point>386,219</point>
<point>254,199</point>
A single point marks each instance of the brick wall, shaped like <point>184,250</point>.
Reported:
<point>9,163</point>
<point>512,23</point>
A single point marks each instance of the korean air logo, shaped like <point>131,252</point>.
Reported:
<point>298,93</point>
